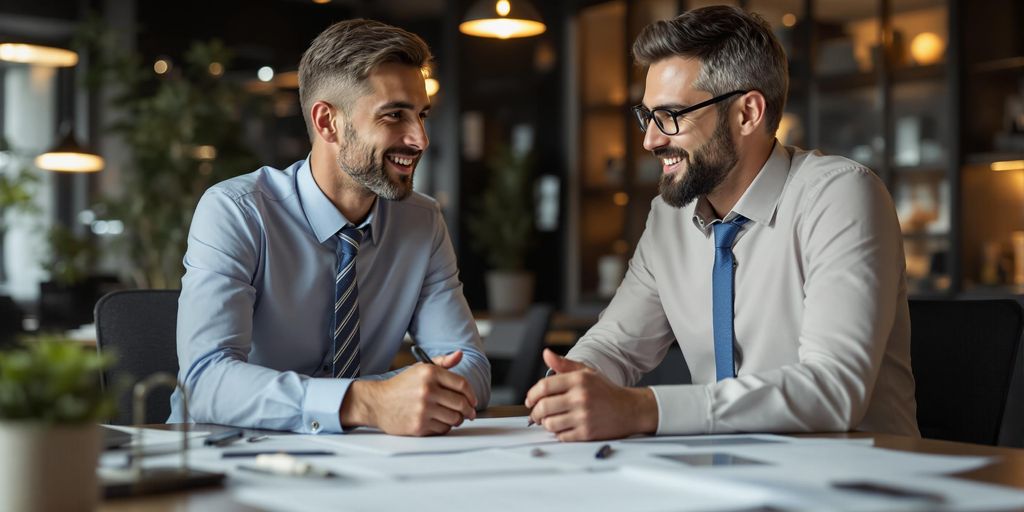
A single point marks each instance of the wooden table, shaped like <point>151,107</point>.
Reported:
<point>1008,471</point>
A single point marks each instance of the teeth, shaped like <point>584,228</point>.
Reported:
<point>671,161</point>
<point>400,160</point>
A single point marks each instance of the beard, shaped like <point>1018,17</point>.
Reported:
<point>704,172</point>
<point>365,165</point>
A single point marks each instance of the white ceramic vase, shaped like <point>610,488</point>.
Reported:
<point>509,292</point>
<point>48,468</point>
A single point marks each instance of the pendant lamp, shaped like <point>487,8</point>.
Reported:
<point>69,156</point>
<point>502,19</point>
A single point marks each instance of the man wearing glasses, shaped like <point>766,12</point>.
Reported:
<point>779,272</point>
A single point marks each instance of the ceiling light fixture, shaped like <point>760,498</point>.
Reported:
<point>37,55</point>
<point>69,156</point>
<point>502,20</point>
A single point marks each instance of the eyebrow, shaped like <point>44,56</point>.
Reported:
<point>669,106</point>
<point>400,105</point>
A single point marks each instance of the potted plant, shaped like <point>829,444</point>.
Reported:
<point>17,193</point>
<point>50,403</point>
<point>184,132</point>
<point>502,228</point>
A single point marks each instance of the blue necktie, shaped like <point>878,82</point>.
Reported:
<point>722,295</point>
<point>346,306</point>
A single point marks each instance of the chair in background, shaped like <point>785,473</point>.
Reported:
<point>140,327</point>
<point>963,354</point>
<point>520,341</point>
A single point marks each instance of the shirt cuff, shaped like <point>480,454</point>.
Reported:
<point>683,409</point>
<point>321,408</point>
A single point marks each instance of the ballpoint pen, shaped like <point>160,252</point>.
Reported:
<point>603,452</point>
<point>547,374</point>
<point>420,355</point>
<point>286,465</point>
<point>223,438</point>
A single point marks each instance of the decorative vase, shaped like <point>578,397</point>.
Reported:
<point>48,468</point>
<point>509,292</point>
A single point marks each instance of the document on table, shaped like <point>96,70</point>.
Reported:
<point>606,490</point>
<point>153,436</point>
<point>478,434</point>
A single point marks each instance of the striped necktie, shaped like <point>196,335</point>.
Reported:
<point>345,336</point>
<point>722,295</point>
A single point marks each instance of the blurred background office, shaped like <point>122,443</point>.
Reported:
<point>116,115</point>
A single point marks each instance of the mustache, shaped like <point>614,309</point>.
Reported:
<point>404,151</point>
<point>668,152</point>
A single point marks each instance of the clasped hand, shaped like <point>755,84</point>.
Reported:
<point>579,404</point>
<point>423,400</point>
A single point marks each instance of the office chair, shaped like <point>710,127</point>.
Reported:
<point>521,340</point>
<point>140,327</point>
<point>963,354</point>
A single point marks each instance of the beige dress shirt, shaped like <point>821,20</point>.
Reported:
<point>821,321</point>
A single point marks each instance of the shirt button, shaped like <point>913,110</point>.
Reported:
<point>314,425</point>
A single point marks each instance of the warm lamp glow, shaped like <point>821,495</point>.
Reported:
<point>38,55</point>
<point>70,162</point>
<point>502,20</point>
<point>927,48</point>
<point>287,80</point>
<point>432,86</point>
<point>216,69</point>
<point>161,66</point>
<point>620,199</point>
<point>789,19</point>
<point>1008,165</point>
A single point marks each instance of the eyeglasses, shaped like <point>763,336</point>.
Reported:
<point>668,120</point>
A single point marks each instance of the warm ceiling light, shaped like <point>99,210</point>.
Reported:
<point>287,79</point>
<point>1008,165</point>
<point>38,55</point>
<point>265,74</point>
<point>620,199</point>
<point>432,86</point>
<point>216,69</point>
<point>69,156</point>
<point>321,1</point>
<point>789,19</point>
<point>502,20</point>
<point>927,48</point>
<point>161,66</point>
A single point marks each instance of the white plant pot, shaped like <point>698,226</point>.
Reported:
<point>48,468</point>
<point>509,292</point>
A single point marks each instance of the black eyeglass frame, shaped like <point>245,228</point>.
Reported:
<point>645,116</point>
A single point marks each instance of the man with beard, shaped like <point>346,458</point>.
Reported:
<point>779,272</point>
<point>301,283</point>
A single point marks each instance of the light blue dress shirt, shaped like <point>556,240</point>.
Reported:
<point>255,314</point>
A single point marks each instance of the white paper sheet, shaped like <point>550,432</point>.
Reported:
<point>478,434</point>
<point>153,436</point>
<point>611,490</point>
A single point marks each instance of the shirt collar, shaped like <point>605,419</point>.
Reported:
<point>323,217</point>
<point>759,202</point>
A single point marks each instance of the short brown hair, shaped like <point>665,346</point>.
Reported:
<point>336,64</point>
<point>736,49</point>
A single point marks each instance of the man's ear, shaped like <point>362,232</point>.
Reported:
<point>751,112</point>
<point>326,119</point>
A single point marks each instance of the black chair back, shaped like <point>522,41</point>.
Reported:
<point>527,366</point>
<point>963,354</point>
<point>140,327</point>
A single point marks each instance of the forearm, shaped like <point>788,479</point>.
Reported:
<point>230,392</point>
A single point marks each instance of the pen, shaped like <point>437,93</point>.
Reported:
<point>256,439</point>
<point>286,465</point>
<point>603,452</point>
<point>420,355</point>
<point>547,374</point>
<point>257,453</point>
<point>537,452</point>
<point>223,438</point>
<point>888,490</point>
